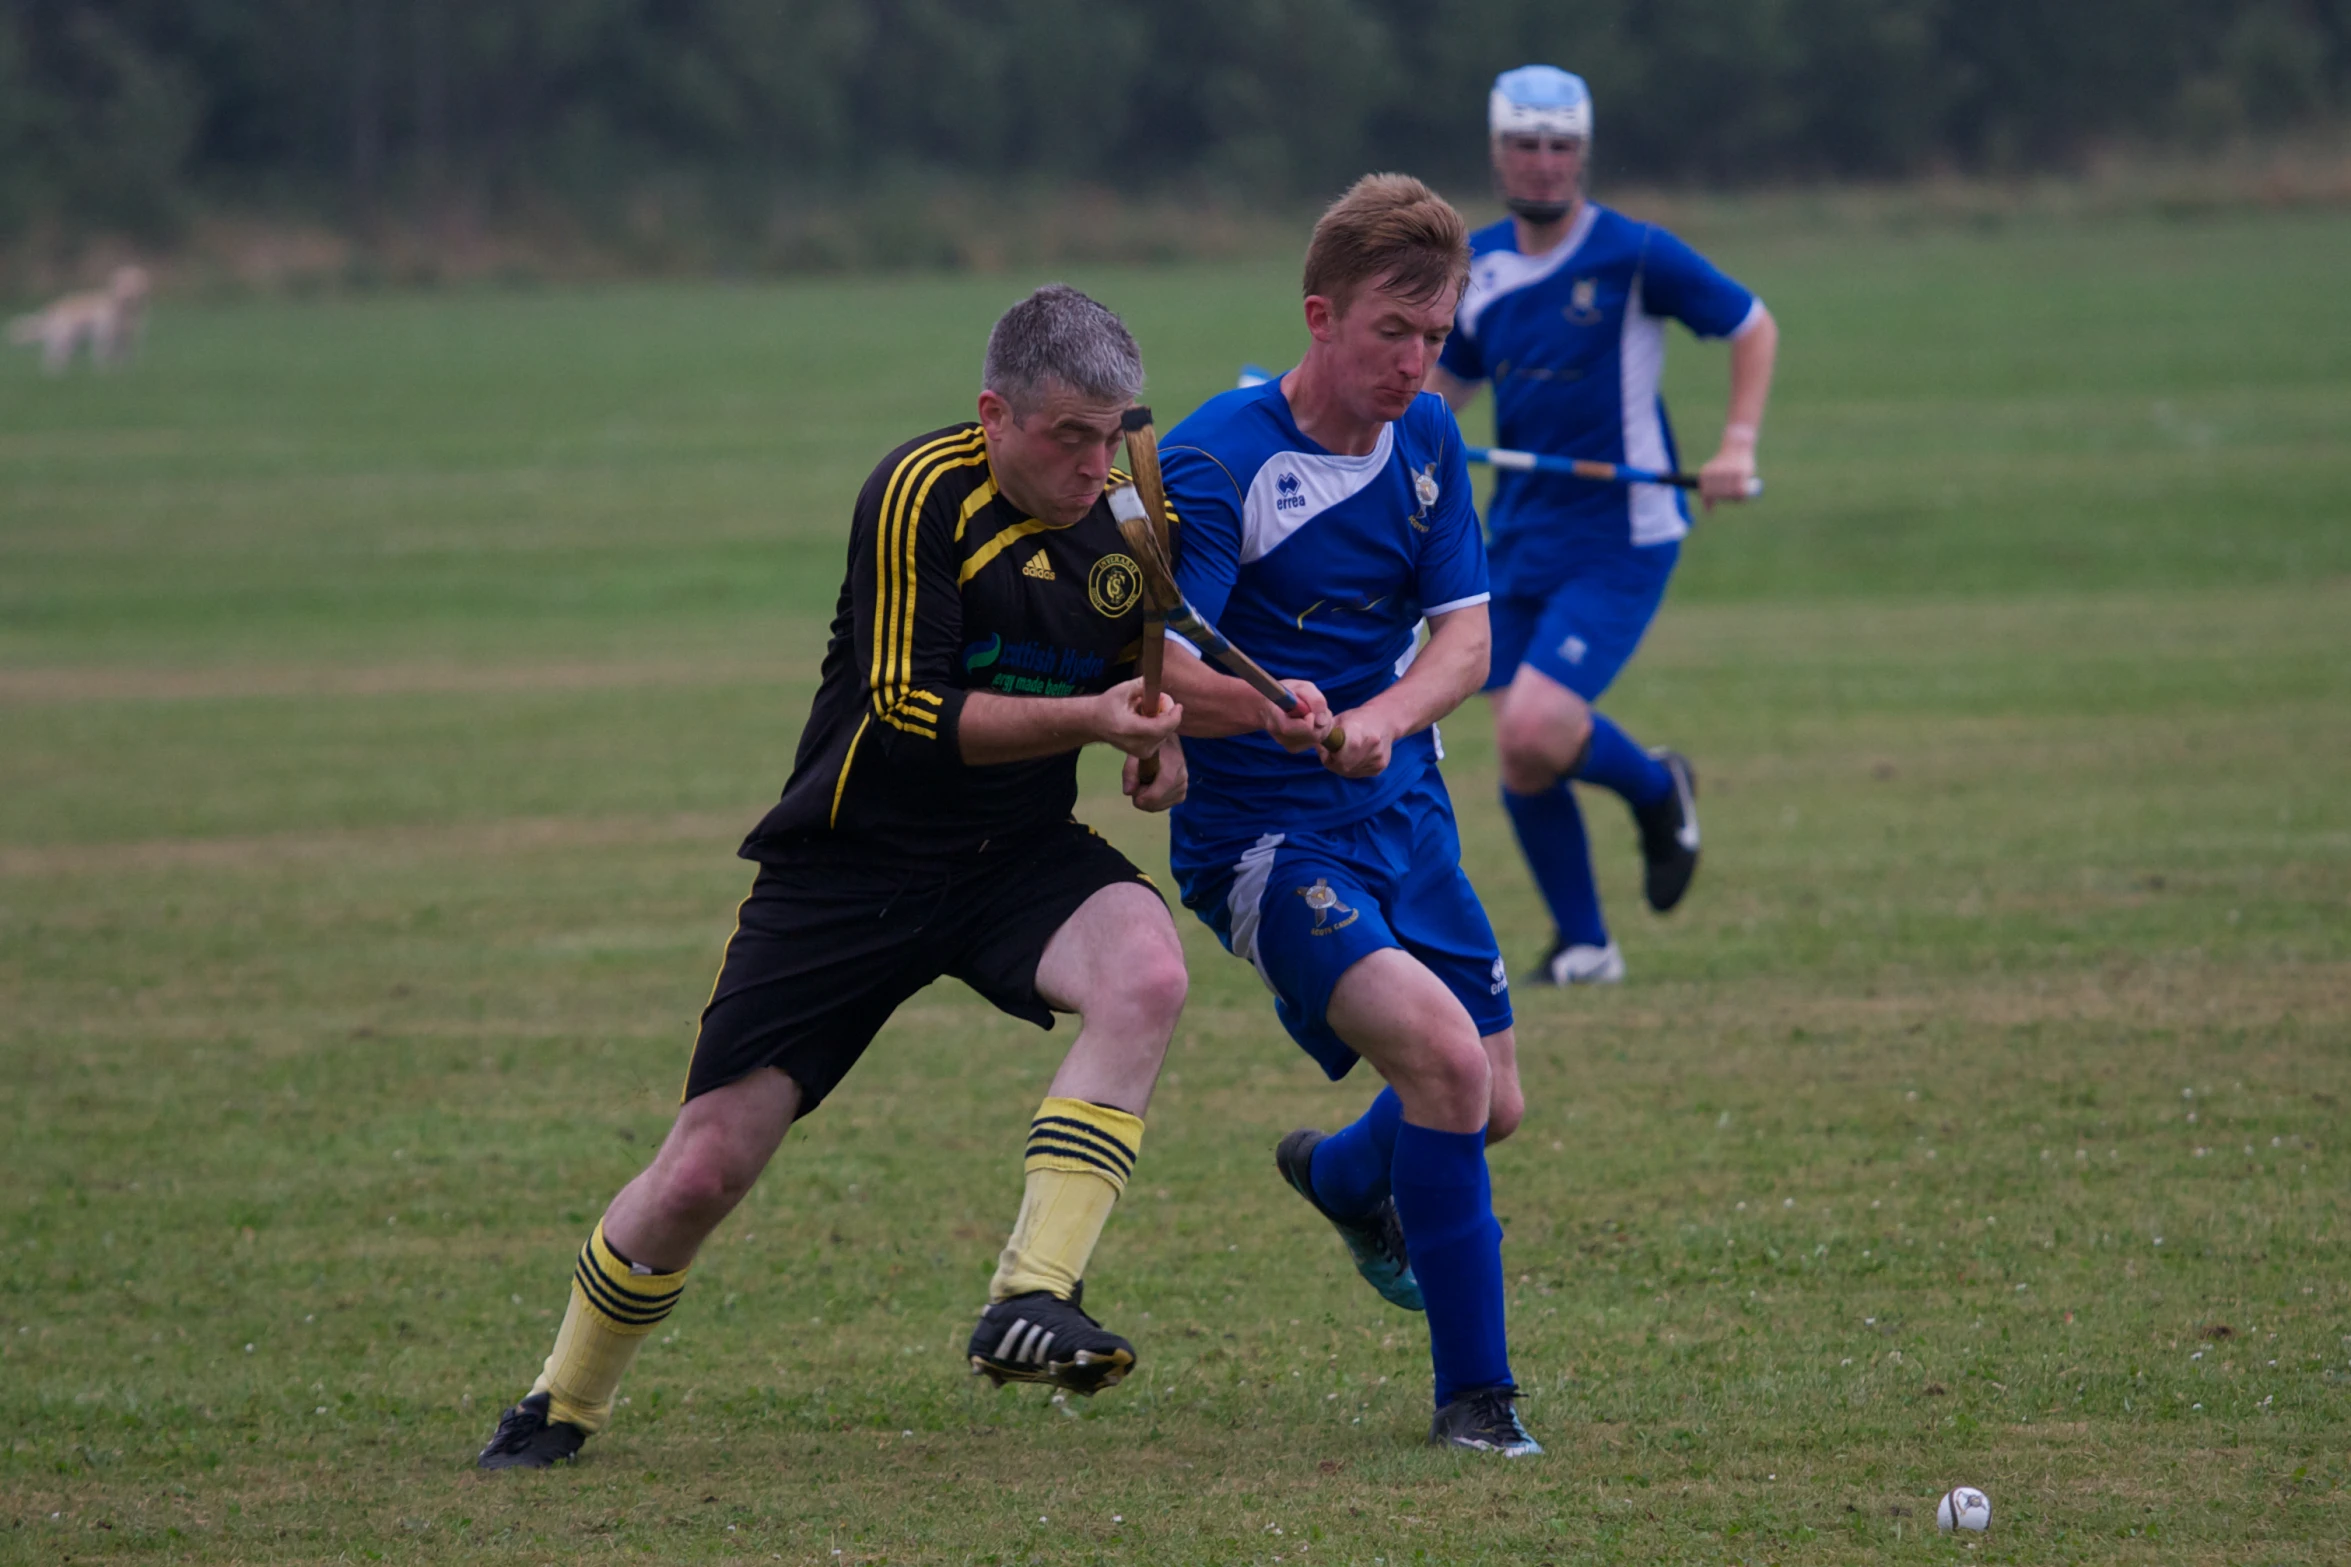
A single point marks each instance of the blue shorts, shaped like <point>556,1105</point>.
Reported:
<point>1306,907</point>
<point>1583,631</point>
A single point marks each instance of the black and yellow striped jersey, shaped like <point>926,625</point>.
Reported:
<point>951,589</point>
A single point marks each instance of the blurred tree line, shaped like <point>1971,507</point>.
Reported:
<point>132,114</point>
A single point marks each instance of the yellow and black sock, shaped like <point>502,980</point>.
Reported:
<point>1079,1158</point>
<point>614,1304</point>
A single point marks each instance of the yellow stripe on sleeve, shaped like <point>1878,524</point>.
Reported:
<point>896,546</point>
<point>892,592</point>
<point>997,546</point>
<point>912,507</point>
<point>972,504</point>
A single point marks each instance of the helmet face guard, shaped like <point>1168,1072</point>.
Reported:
<point>1540,101</point>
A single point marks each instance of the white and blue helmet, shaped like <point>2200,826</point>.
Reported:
<point>1539,100</point>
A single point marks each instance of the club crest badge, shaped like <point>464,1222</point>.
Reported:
<point>1583,301</point>
<point>1114,586</point>
<point>1424,490</point>
<point>1325,904</point>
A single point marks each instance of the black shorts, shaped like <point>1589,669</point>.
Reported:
<point>830,942</point>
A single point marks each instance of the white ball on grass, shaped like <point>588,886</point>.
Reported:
<point>1964,1507</point>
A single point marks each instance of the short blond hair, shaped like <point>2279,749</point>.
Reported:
<point>1391,229</point>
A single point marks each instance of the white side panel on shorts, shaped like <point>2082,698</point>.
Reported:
<point>1640,360</point>
<point>1294,488</point>
<point>1246,902</point>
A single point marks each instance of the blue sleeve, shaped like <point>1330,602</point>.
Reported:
<point>1676,281</point>
<point>1453,553</point>
<point>1207,505</point>
<point>1462,358</point>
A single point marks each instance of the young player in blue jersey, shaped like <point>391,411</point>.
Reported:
<point>1565,315</point>
<point>1321,517</point>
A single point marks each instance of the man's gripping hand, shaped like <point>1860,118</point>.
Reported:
<point>1164,791</point>
<point>1369,740</point>
<point>1729,474</point>
<point>1304,726</point>
<point>1115,721</point>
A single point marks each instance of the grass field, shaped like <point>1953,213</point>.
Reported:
<point>385,682</point>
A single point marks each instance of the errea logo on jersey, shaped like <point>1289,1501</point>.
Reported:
<point>1289,489</point>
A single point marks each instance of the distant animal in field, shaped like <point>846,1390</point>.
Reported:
<point>111,320</point>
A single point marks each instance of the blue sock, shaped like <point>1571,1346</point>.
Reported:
<point>1446,1201</point>
<point>1614,760</point>
<point>1350,1169</point>
<point>1551,836</point>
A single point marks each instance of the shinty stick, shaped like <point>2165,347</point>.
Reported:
<point>1143,463</point>
<point>1503,457</point>
<point>1159,579</point>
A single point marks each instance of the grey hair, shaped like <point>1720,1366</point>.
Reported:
<point>1058,334</point>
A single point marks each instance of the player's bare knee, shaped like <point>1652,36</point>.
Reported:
<point>1141,1004</point>
<point>706,1189</point>
<point>1469,1071</point>
<point>1457,1074</point>
<point>1522,774</point>
<point>1515,740</point>
<point>1535,748</point>
<point>693,1190</point>
<point>1156,988</point>
<point>1560,738</point>
<point>1506,1108</point>
<point>702,1180</point>
<point>1141,992</point>
<point>1575,733</point>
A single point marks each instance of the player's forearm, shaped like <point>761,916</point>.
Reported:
<point>1215,705</point>
<point>998,728</point>
<point>1448,671</point>
<point>1754,352</point>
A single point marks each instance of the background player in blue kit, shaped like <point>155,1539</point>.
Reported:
<point>1322,516</point>
<point>1565,314</point>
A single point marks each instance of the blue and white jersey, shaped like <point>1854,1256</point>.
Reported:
<point>1320,567</point>
<point>1574,342</point>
